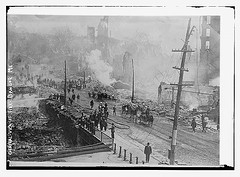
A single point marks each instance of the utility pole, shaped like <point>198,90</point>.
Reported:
<point>132,81</point>
<point>65,84</point>
<point>172,94</point>
<point>84,80</point>
<point>174,132</point>
<point>172,100</point>
<point>197,53</point>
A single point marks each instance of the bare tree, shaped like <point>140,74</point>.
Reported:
<point>61,40</point>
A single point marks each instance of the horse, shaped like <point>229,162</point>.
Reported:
<point>128,109</point>
<point>146,118</point>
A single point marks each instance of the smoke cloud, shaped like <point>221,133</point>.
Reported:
<point>101,69</point>
<point>215,82</point>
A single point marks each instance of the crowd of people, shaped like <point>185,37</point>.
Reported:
<point>76,84</point>
<point>97,119</point>
<point>98,116</point>
<point>100,95</point>
<point>48,82</point>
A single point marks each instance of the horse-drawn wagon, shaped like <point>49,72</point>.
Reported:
<point>139,114</point>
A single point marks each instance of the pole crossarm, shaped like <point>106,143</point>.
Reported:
<point>181,69</point>
<point>184,85</point>
<point>182,50</point>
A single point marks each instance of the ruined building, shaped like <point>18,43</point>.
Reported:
<point>91,34</point>
<point>127,67</point>
<point>209,66</point>
<point>102,38</point>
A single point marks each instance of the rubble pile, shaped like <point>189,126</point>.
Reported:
<point>31,134</point>
<point>24,90</point>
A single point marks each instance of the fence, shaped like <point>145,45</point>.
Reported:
<point>104,138</point>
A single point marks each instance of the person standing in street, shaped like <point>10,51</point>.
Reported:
<point>91,104</point>
<point>73,97</point>
<point>202,118</point>
<point>112,130</point>
<point>205,122</point>
<point>193,124</point>
<point>78,98</point>
<point>114,110</point>
<point>147,152</point>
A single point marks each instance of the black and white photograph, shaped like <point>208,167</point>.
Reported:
<point>114,90</point>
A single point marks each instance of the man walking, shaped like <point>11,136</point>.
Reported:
<point>148,151</point>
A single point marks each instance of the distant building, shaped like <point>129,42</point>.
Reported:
<point>91,34</point>
<point>102,38</point>
<point>127,67</point>
<point>209,66</point>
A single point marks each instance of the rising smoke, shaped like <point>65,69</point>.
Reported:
<point>100,69</point>
<point>215,82</point>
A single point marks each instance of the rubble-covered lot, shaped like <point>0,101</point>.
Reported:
<point>31,134</point>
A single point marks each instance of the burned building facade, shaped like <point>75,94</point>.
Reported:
<point>209,66</point>
<point>91,34</point>
<point>102,38</point>
<point>127,67</point>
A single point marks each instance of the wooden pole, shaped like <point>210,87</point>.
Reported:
<point>132,82</point>
<point>174,131</point>
<point>84,80</point>
<point>65,84</point>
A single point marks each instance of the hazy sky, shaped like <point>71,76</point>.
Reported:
<point>167,29</point>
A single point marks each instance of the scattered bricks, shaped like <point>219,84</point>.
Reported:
<point>130,160</point>
<point>120,152</point>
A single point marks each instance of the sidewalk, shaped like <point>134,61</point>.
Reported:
<point>111,159</point>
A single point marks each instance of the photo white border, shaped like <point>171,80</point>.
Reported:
<point>226,48</point>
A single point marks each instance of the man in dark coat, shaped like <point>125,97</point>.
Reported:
<point>104,124</point>
<point>193,124</point>
<point>112,130</point>
<point>114,110</point>
<point>147,151</point>
<point>73,97</point>
<point>101,123</point>
<point>78,98</point>
<point>91,104</point>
